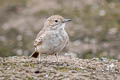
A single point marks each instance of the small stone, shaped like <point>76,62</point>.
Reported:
<point>37,72</point>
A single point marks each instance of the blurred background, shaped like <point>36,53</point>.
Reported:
<point>94,30</point>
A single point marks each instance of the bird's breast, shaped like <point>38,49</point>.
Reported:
<point>54,42</point>
<point>57,40</point>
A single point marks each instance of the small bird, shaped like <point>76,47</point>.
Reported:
<point>52,38</point>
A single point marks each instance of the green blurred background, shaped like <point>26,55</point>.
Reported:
<point>94,31</point>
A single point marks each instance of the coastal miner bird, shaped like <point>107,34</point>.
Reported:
<point>52,38</point>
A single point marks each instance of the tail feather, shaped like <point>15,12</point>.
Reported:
<point>35,54</point>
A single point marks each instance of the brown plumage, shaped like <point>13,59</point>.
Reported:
<point>52,38</point>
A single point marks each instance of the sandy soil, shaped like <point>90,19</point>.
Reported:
<point>25,68</point>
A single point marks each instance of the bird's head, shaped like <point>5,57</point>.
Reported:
<point>55,22</point>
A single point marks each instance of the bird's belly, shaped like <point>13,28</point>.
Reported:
<point>54,43</point>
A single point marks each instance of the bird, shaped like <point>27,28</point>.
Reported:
<point>52,38</point>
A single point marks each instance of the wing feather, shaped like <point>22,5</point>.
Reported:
<point>39,38</point>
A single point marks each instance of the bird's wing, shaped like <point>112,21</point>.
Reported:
<point>37,41</point>
<point>39,38</point>
<point>40,33</point>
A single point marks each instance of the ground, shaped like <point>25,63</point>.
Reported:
<point>26,68</point>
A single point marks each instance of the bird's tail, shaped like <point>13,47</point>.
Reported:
<point>35,54</point>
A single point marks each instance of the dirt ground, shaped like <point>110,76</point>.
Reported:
<point>26,68</point>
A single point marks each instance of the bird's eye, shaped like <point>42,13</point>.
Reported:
<point>56,20</point>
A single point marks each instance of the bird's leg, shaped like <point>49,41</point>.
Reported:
<point>39,60</point>
<point>38,55</point>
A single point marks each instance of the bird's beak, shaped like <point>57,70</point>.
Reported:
<point>67,20</point>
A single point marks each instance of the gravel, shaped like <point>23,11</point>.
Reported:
<point>26,68</point>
